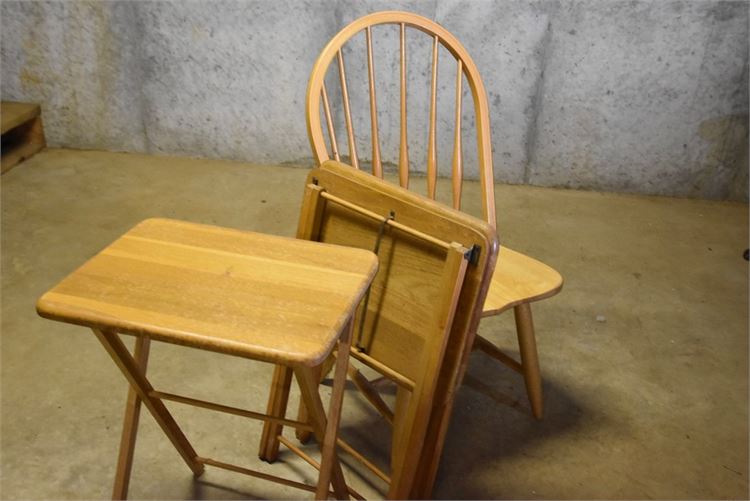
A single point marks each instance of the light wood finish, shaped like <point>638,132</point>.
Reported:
<point>326,429</point>
<point>493,351</point>
<point>418,413</point>
<point>257,474</point>
<point>529,358</point>
<point>329,123</point>
<point>239,293</point>
<point>22,133</point>
<point>519,279</point>
<point>312,462</point>
<point>431,139</point>
<point>277,402</point>
<point>406,20</point>
<point>321,371</point>
<point>208,280</point>
<point>347,113</point>
<point>138,382</point>
<point>370,393</point>
<point>366,462</point>
<point>403,152</point>
<point>130,424</point>
<point>387,221</point>
<point>377,167</point>
<point>422,310</point>
<point>398,378</point>
<point>161,395</point>
<point>458,162</point>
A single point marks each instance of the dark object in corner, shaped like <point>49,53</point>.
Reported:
<point>746,254</point>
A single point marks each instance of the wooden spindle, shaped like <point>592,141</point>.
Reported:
<point>377,167</point>
<point>457,154</point>
<point>329,123</point>
<point>347,112</point>
<point>431,146</point>
<point>403,157</point>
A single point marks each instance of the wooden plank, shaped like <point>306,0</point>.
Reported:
<point>24,136</point>
<point>419,411</point>
<point>13,114</point>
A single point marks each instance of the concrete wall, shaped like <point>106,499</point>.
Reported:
<point>639,96</point>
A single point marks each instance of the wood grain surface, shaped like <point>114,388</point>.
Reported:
<point>258,296</point>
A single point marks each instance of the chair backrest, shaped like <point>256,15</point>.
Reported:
<point>318,96</point>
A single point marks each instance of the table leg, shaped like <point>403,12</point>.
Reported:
<point>130,424</point>
<point>277,402</point>
<point>124,360</point>
<point>326,429</point>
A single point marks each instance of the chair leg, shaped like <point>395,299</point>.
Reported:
<point>130,424</point>
<point>529,358</point>
<point>277,402</point>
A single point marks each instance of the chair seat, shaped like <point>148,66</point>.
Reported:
<point>519,279</point>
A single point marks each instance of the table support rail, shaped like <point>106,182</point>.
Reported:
<point>229,410</point>
<point>141,391</point>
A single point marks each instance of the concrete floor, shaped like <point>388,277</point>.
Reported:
<point>650,403</point>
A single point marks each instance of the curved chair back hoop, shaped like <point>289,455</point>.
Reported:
<point>317,96</point>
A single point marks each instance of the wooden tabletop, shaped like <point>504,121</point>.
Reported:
<point>248,294</point>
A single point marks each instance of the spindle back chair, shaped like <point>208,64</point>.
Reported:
<point>318,96</point>
<point>518,279</point>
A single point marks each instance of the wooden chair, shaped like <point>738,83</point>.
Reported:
<point>266,298</point>
<point>518,280</point>
<point>420,313</point>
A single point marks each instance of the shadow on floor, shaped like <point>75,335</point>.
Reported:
<point>493,408</point>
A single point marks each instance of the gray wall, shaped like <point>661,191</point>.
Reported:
<point>639,96</point>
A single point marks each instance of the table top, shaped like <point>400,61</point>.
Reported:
<point>242,293</point>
